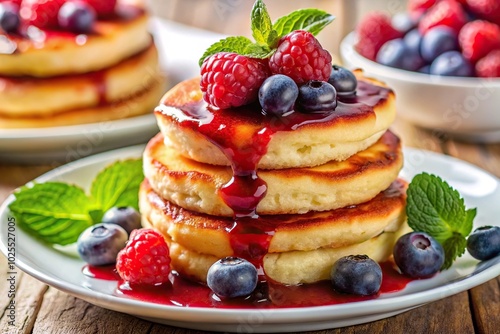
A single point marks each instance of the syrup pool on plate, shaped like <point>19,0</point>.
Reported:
<point>185,293</point>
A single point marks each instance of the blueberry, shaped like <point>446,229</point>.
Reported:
<point>437,41</point>
<point>452,63</point>
<point>317,96</point>
<point>76,16</point>
<point>413,40</point>
<point>356,274</point>
<point>127,217</point>
<point>418,255</point>
<point>425,69</point>
<point>9,17</point>
<point>278,94</point>
<point>484,242</point>
<point>343,80</point>
<point>403,22</point>
<point>395,53</point>
<point>99,244</point>
<point>232,277</point>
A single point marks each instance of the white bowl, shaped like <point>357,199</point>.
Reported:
<point>465,108</point>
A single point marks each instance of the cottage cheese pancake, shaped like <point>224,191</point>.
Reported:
<point>198,131</point>
<point>213,235</point>
<point>142,102</point>
<point>59,94</point>
<point>294,267</point>
<point>44,53</point>
<point>194,186</point>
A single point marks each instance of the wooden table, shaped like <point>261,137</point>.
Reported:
<point>43,309</point>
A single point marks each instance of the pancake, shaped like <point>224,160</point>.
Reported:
<point>294,267</point>
<point>194,186</point>
<point>141,103</point>
<point>298,140</point>
<point>51,53</point>
<point>329,229</point>
<point>58,94</point>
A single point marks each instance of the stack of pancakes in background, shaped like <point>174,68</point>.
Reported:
<point>332,187</point>
<point>57,78</point>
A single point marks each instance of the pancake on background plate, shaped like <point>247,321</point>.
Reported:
<point>54,76</point>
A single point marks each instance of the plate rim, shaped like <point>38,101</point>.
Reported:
<point>70,130</point>
<point>227,316</point>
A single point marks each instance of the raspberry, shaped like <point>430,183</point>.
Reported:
<point>373,31</point>
<point>231,80</point>
<point>103,7</point>
<point>478,38</point>
<point>41,13</point>
<point>420,5</point>
<point>486,9</point>
<point>145,259</point>
<point>301,57</point>
<point>444,13</point>
<point>489,66</point>
<point>17,2</point>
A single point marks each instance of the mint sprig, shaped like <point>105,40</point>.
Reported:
<point>117,185</point>
<point>312,20</point>
<point>267,34</point>
<point>437,209</point>
<point>54,212</point>
<point>57,212</point>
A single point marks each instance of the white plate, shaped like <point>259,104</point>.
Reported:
<point>179,47</point>
<point>479,189</point>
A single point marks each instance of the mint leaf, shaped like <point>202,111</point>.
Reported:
<point>312,20</point>
<point>466,227</point>
<point>266,34</point>
<point>434,207</point>
<point>117,185</point>
<point>229,44</point>
<point>54,212</point>
<point>453,248</point>
<point>261,23</point>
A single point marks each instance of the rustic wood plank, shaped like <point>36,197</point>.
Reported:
<point>485,300</point>
<point>476,154</point>
<point>424,319</point>
<point>13,176</point>
<point>28,298</point>
<point>65,314</point>
<point>486,156</point>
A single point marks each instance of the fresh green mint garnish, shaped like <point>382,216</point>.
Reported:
<point>57,212</point>
<point>312,20</point>
<point>267,34</point>
<point>437,209</point>
<point>117,185</point>
<point>54,212</point>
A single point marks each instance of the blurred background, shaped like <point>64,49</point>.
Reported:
<point>232,17</point>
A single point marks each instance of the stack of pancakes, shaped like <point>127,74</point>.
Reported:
<point>332,185</point>
<point>55,78</point>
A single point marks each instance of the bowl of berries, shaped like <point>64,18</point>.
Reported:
<point>442,57</point>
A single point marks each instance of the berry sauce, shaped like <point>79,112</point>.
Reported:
<point>107,273</point>
<point>33,37</point>
<point>243,135</point>
<point>185,293</point>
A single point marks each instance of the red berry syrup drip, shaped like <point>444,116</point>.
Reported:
<point>98,79</point>
<point>243,135</point>
<point>40,36</point>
